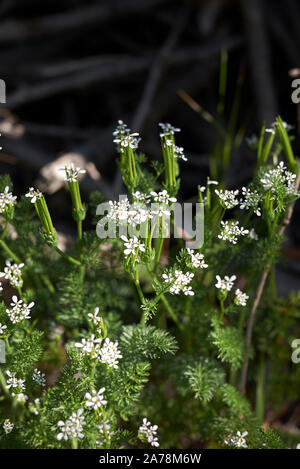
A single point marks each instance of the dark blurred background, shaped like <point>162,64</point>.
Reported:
<point>74,67</point>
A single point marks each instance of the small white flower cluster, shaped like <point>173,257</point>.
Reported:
<point>2,328</point>
<point>34,194</point>
<point>19,311</point>
<point>21,397</point>
<point>150,431</point>
<point>240,298</point>
<point>252,199</point>
<point>108,353</point>
<point>73,427</point>
<point>8,426</point>
<point>7,200</point>
<point>226,283</point>
<point>95,399</point>
<point>178,152</point>
<point>14,383</point>
<point>105,430</point>
<point>12,272</point>
<point>180,282</point>
<point>123,137</point>
<point>71,172</point>
<point>231,231</point>
<point>227,198</point>
<point>271,130</point>
<point>197,259</point>
<point>141,197</point>
<point>139,212</point>
<point>163,197</point>
<point>119,210</point>
<point>238,440</point>
<point>90,346</point>
<point>279,177</point>
<point>253,235</point>
<point>168,129</point>
<point>39,377</point>
<point>133,246</point>
<point>94,318</point>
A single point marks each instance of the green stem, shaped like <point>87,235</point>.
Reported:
<point>66,256</point>
<point>9,252</point>
<point>3,383</point>
<point>260,391</point>
<point>5,229</point>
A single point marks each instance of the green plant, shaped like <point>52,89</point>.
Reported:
<point>116,331</point>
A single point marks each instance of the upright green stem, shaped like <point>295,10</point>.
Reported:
<point>5,229</point>
<point>3,384</point>
<point>9,252</point>
<point>260,391</point>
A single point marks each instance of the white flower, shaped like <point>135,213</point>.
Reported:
<point>231,230</point>
<point>127,141</point>
<point>2,328</point>
<point>39,377</point>
<point>252,141</point>
<point>109,353</point>
<point>105,430</point>
<point>298,446</point>
<point>7,200</point>
<point>252,199</point>
<point>227,198</point>
<point>20,311</point>
<point>21,397</point>
<point>121,129</point>
<point>8,426</point>
<point>64,430</point>
<point>179,282</point>
<point>279,178</point>
<point>73,427</point>
<point>140,197</point>
<point>12,272</point>
<point>168,129</point>
<point>34,194</point>
<point>163,197</point>
<point>93,317</point>
<point>238,440</point>
<point>253,234</point>
<point>197,259</point>
<point>76,422</point>
<point>133,246</point>
<point>150,431</point>
<point>212,182</point>
<point>188,291</point>
<point>240,298</point>
<point>118,210</point>
<point>13,382</point>
<point>161,211</point>
<point>225,284</point>
<point>95,399</point>
<point>71,172</point>
<point>89,346</point>
<point>270,131</point>
<point>168,278</point>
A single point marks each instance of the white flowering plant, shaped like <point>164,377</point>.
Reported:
<point>140,341</point>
